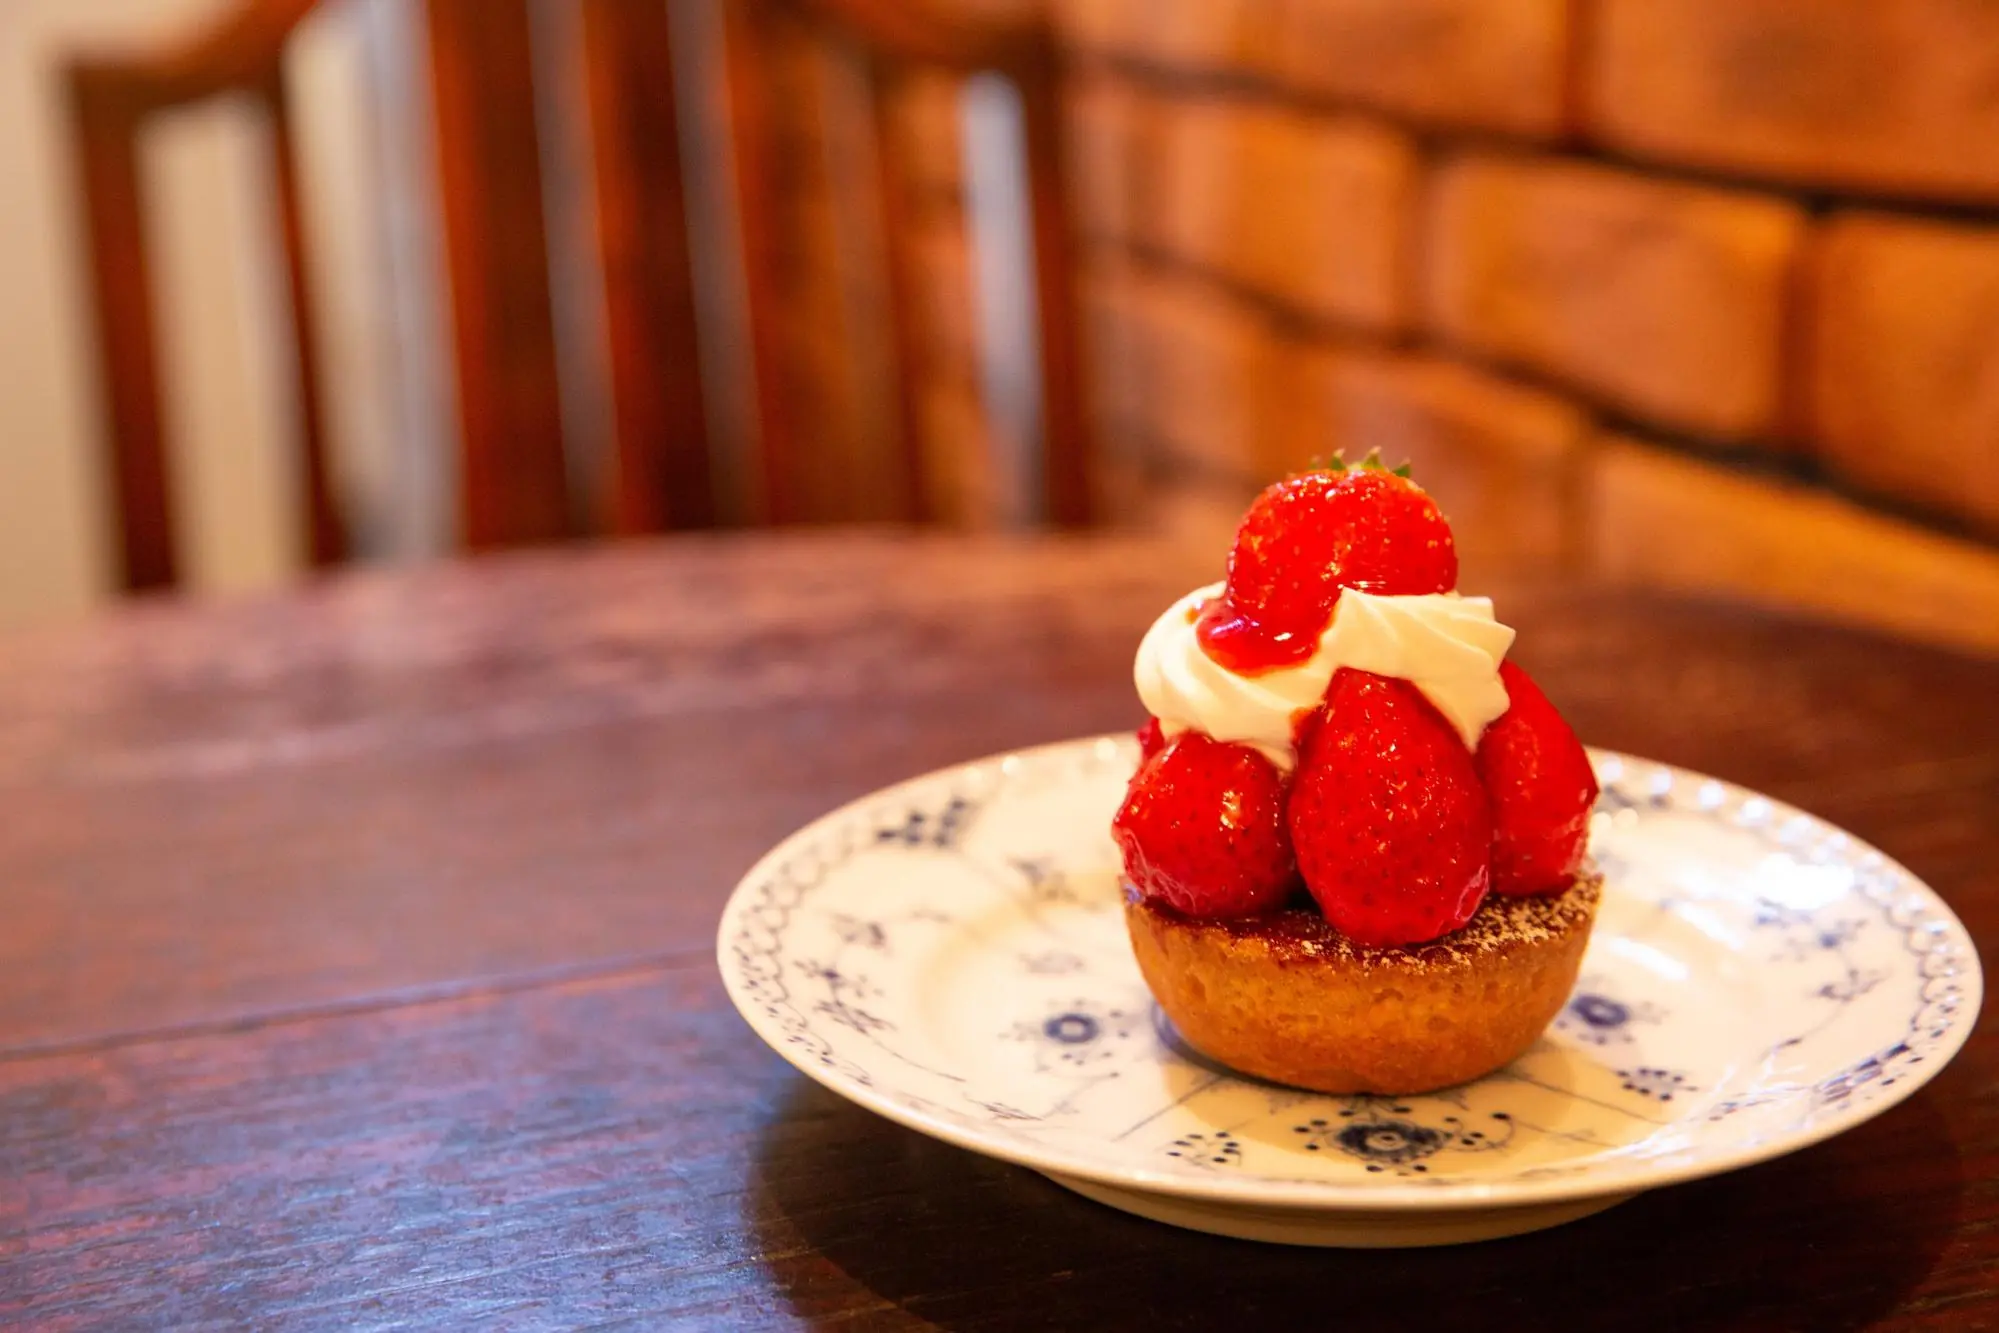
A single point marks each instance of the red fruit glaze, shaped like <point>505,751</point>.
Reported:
<point>1151,739</point>
<point>1542,790</point>
<point>1202,829</point>
<point>1306,538</point>
<point>1391,828</point>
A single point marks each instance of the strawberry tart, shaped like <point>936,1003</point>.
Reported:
<point>1354,848</point>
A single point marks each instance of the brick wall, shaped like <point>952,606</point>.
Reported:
<point>1504,236</point>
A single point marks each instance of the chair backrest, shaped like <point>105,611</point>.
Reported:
<point>514,480</point>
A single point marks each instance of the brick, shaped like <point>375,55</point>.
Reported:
<point>1501,458</point>
<point>1235,36</point>
<point>1118,346</point>
<point>1665,520</point>
<point>1667,301</point>
<point>1343,220</point>
<point>1903,362</point>
<point>1207,401</point>
<point>1205,157</point>
<point>1115,131</point>
<point>1313,212</point>
<point>1100,27</point>
<point>1863,93</point>
<point>1208,35</point>
<point>1485,64</point>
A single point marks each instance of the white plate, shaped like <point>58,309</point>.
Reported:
<point>950,953</point>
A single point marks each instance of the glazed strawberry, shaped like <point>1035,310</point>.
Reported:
<point>1391,828</point>
<point>1202,829</point>
<point>1542,790</point>
<point>1304,540</point>
<point>1151,739</point>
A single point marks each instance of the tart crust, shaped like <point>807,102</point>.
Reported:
<point>1285,996</point>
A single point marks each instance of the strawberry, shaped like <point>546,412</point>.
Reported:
<point>1390,825</point>
<point>1542,790</point>
<point>1306,538</point>
<point>1151,739</point>
<point>1202,829</point>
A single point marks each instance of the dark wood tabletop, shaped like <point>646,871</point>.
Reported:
<point>356,957</point>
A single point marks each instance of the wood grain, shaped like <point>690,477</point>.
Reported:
<point>620,1148</point>
<point>358,966</point>
<point>334,766</point>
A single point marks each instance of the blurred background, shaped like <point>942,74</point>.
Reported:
<point>1702,293</point>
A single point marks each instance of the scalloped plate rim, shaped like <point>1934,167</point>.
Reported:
<point>1307,1197</point>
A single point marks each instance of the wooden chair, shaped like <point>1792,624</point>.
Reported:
<point>513,477</point>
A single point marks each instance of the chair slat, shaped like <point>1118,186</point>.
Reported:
<point>105,120</point>
<point>513,481</point>
<point>896,34</point>
<point>899,235</point>
<point>326,529</point>
<point>747,46</point>
<point>1067,465</point>
<point>662,476</point>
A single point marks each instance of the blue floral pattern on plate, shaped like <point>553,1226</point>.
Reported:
<point>950,952</point>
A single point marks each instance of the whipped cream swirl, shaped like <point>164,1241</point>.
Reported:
<point>1447,646</point>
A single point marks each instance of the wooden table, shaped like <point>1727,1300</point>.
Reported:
<point>356,958</point>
